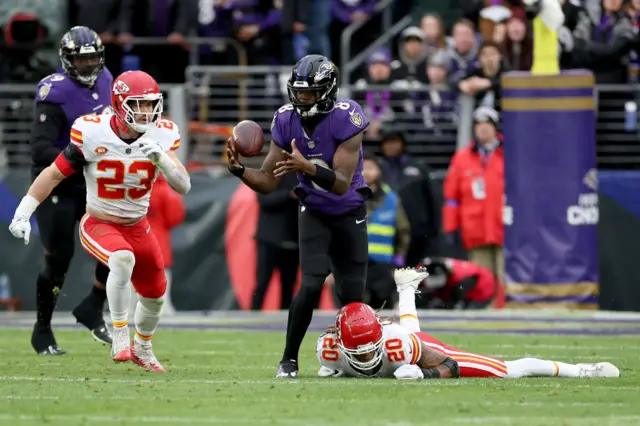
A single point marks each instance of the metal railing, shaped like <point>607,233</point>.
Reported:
<point>214,99</point>
<point>16,117</point>
<point>389,31</point>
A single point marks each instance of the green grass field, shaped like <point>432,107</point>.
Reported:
<point>227,377</point>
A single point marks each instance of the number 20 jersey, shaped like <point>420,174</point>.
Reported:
<point>119,177</point>
<point>400,348</point>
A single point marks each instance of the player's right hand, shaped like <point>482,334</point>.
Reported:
<point>20,228</point>
<point>232,157</point>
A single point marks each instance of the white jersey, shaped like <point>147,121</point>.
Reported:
<point>400,348</point>
<point>119,177</point>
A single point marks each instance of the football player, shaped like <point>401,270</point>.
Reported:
<point>363,345</point>
<point>318,137</point>
<point>121,156</point>
<point>83,88</point>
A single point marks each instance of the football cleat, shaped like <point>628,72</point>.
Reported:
<point>409,278</point>
<point>120,349</point>
<point>52,350</point>
<point>144,357</point>
<point>287,369</point>
<point>601,369</point>
<point>102,335</point>
<point>43,342</point>
<point>94,321</point>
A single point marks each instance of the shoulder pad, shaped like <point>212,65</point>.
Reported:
<point>168,134</point>
<point>279,132</point>
<point>355,120</point>
<point>52,89</point>
<point>284,109</point>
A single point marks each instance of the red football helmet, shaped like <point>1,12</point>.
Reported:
<point>137,100</point>
<point>359,334</point>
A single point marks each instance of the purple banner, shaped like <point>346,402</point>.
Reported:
<point>551,211</point>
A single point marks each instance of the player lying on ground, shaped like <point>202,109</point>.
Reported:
<point>363,345</point>
<point>121,156</point>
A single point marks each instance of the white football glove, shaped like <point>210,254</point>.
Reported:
<point>328,372</point>
<point>151,149</point>
<point>20,226</point>
<point>409,372</point>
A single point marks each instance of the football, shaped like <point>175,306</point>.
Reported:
<point>248,138</point>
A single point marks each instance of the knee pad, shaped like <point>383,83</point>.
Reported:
<point>121,263</point>
<point>55,268</point>
<point>102,273</point>
<point>152,306</point>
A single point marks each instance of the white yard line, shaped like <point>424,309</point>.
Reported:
<point>337,398</point>
<point>510,420</point>
<point>582,421</point>
<point>520,383</point>
<point>151,419</point>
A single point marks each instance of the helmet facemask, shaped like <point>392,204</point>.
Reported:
<point>138,115</point>
<point>85,68</point>
<point>309,101</point>
<point>364,358</point>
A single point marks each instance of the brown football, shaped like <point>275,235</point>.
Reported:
<point>248,138</point>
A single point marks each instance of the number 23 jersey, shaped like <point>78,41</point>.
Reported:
<point>118,175</point>
<point>400,348</point>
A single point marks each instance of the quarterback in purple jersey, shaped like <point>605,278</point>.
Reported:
<point>318,137</point>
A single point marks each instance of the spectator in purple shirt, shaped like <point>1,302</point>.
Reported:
<point>256,24</point>
<point>215,20</point>
<point>345,12</point>
<point>174,20</point>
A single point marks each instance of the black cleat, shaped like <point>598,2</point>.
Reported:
<point>287,369</point>
<point>43,342</point>
<point>94,321</point>
<point>102,335</point>
<point>52,350</point>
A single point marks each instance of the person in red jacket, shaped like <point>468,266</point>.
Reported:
<point>457,284</point>
<point>474,194</point>
<point>166,211</point>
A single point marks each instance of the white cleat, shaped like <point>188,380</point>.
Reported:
<point>409,278</point>
<point>120,349</point>
<point>601,369</point>
<point>143,356</point>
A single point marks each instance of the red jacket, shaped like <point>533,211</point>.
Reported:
<point>166,211</point>
<point>478,219</point>
<point>461,269</point>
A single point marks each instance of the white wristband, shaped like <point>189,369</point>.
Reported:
<point>165,163</point>
<point>27,206</point>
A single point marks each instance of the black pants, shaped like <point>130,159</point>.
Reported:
<point>57,217</point>
<point>270,257</point>
<point>381,288</point>
<point>337,244</point>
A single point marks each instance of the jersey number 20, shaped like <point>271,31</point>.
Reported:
<point>106,185</point>
<point>394,350</point>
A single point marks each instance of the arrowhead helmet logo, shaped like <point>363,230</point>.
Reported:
<point>120,88</point>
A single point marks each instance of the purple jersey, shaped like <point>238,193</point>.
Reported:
<point>75,99</point>
<point>342,123</point>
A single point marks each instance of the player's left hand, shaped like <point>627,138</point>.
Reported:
<point>20,228</point>
<point>151,149</point>
<point>409,372</point>
<point>295,162</point>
